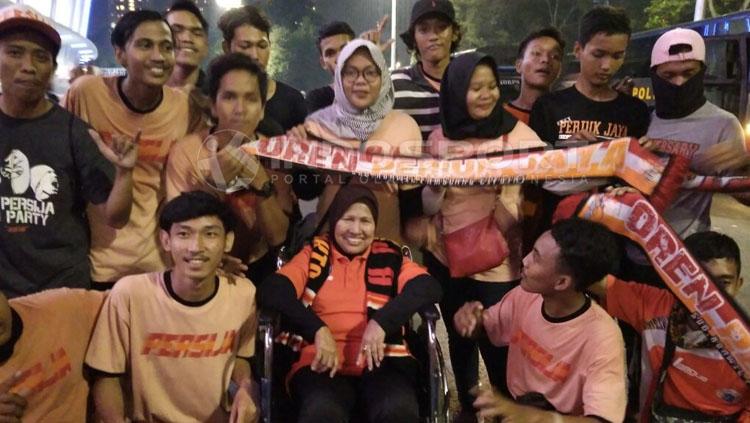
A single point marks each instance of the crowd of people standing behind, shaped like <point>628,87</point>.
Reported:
<point>137,242</point>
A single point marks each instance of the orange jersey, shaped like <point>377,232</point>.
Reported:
<point>578,363</point>
<point>698,379</point>
<point>341,303</point>
<point>134,248</point>
<point>57,326</point>
<point>177,358</point>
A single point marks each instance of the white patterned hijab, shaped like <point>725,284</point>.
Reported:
<point>343,119</point>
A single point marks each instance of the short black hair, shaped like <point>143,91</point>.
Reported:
<point>588,250</point>
<point>334,28</point>
<point>710,245</point>
<point>245,15</point>
<point>607,19</point>
<point>225,63</point>
<point>190,7</point>
<point>411,42</point>
<point>129,22</point>
<point>549,31</point>
<point>192,205</point>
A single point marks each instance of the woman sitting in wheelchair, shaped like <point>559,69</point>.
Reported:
<point>348,295</point>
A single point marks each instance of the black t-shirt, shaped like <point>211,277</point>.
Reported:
<point>558,115</point>
<point>202,83</point>
<point>287,106</point>
<point>319,98</point>
<point>270,127</point>
<point>51,168</point>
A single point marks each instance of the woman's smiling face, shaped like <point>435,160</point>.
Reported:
<point>483,93</point>
<point>361,80</point>
<point>355,230</point>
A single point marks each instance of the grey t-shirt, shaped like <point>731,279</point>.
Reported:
<point>707,126</point>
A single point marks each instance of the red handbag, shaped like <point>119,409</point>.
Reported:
<point>475,248</point>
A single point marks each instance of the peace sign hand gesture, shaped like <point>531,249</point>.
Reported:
<point>375,34</point>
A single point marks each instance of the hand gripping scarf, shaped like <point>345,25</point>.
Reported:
<point>715,313</point>
<point>633,216</point>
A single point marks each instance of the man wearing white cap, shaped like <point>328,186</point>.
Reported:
<point>683,114</point>
<point>50,168</point>
<point>45,238</point>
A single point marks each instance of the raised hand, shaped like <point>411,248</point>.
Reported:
<point>122,151</point>
<point>468,318</point>
<point>375,34</point>
<point>298,131</point>
<point>722,157</point>
<point>647,143</point>
<point>233,266</point>
<point>226,157</point>
<point>624,86</point>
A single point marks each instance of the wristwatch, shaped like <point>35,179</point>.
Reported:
<point>267,190</point>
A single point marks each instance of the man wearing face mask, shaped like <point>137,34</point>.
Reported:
<point>682,113</point>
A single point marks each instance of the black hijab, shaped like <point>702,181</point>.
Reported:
<point>454,116</point>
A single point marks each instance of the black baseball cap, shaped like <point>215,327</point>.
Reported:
<point>422,8</point>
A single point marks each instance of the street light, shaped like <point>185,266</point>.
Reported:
<point>394,11</point>
<point>700,7</point>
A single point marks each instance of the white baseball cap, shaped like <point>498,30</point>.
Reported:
<point>663,48</point>
<point>16,17</point>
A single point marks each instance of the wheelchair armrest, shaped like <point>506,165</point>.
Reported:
<point>429,313</point>
<point>438,381</point>
<point>268,318</point>
<point>268,322</point>
<point>267,325</point>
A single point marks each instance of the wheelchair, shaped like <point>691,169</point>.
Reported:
<point>433,395</point>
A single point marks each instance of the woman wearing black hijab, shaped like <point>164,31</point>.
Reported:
<point>348,295</point>
<point>473,123</point>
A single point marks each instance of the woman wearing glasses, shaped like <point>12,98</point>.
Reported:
<point>361,117</point>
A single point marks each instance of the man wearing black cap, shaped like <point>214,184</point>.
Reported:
<point>51,168</point>
<point>432,36</point>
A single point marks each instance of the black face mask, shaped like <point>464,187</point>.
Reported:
<point>678,101</point>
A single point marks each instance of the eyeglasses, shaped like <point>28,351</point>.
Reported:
<point>350,74</point>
